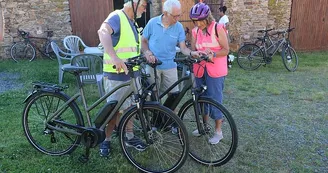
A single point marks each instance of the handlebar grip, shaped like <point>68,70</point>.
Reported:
<point>179,59</point>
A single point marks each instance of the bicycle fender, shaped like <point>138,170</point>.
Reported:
<point>29,96</point>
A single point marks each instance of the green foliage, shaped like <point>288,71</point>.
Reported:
<point>281,117</point>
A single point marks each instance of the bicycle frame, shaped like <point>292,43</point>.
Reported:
<point>87,108</point>
<point>189,84</point>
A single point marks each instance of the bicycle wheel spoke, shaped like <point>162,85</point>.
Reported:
<point>200,147</point>
<point>40,133</point>
<point>250,57</point>
<point>165,151</point>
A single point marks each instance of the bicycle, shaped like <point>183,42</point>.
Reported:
<point>252,56</point>
<point>26,49</point>
<point>191,113</point>
<point>54,125</point>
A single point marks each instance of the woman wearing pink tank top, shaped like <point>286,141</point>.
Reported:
<point>211,74</point>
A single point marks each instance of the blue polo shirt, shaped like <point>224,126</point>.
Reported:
<point>162,41</point>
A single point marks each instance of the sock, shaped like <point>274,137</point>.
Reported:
<point>129,135</point>
<point>108,138</point>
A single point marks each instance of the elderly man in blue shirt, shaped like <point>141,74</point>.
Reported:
<point>159,39</point>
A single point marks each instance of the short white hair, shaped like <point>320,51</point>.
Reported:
<point>169,4</point>
<point>129,4</point>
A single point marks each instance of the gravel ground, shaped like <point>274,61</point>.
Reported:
<point>9,81</point>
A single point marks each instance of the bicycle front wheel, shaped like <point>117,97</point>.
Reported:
<point>22,51</point>
<point>250,57</point>
<point>201,149</point>
<point>37,130</point>
<point>289,58</point>
<point>167,148</point>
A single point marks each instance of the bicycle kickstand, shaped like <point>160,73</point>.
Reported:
<point>84,158</point>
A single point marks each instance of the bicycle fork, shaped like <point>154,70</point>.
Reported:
<point>195,95</point>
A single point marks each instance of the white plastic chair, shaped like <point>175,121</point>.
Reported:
<point>72,43</point>
<point>95,73</point>
<point>61,56</point>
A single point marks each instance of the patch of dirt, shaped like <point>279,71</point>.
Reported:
<point>9,81</point>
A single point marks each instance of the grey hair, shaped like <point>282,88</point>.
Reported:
<point>129,4</point>
<point>169,4</point>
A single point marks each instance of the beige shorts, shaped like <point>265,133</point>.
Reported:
<point>165,78</point>
<point>117,95</point>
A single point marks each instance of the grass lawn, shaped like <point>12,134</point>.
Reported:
<point>282,120</point>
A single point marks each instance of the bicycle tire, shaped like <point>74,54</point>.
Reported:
<point>289,58</point>
<point>22,50</point>
<point>42,138</point>
<point>250,57</point>
<point>199,147</point>
<point>48,52</point>
<point>167,152</point>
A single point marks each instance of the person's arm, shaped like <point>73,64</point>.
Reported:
<point>223,41</point>
<point>145,43</point>
<point>185,50</point>
<point>105,38</point>
<point>145,49</point>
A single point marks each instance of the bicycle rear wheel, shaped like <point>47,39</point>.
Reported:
<point>250,57</point>
<point>199,147</point>
<point>48,52</point>
<point>22,51</point>
<point>168,146</point>
<point>45,139</point>
<point>289,58</point>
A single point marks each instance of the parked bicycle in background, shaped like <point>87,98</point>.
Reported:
<point>26,49</point>
<point>252,56</point>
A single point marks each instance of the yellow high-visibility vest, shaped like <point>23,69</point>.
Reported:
<point>127,46</point>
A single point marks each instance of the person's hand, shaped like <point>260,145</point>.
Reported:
<point>150,57</point>
<point>196,54</point>
<point>119,65</point>
<point>210,54</point>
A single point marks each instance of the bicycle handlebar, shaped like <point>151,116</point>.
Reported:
<point>189,60</point>
<point>264,30</point>
<point>138,60</point>
<point>285,31</point>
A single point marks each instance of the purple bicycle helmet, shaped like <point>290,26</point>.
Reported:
<point>199,11</point>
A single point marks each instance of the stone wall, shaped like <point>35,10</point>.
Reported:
<point>34,16</point>
<point>248,16</point>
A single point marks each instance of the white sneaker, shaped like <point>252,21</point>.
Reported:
<point>216,138</point>
<point>195,133</point>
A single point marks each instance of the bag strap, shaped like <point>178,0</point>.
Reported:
<point>216,31</point>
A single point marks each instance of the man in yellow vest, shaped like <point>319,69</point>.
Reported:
<point>121,40</point>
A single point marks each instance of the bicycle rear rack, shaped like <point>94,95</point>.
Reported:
<point>48,86</point>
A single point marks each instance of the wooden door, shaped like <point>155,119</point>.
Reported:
<point>310,19</point>
<point>87,16</point>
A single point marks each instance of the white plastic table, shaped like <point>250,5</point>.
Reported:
<point>94,50</point>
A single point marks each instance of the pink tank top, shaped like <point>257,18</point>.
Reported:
<point>217,69</point>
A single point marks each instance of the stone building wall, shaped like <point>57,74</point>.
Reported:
<point>248,16</point>
<point>34,16</point>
